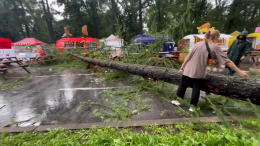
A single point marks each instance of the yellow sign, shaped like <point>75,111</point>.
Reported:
<point>202,30</point>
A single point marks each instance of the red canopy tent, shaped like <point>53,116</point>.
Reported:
<point>28,42</point>
<point>5,43</point>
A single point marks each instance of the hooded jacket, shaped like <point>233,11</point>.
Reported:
<point>239,48</point>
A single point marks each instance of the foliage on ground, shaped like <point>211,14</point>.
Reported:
<point>118,104</point>
<point>13,84</point>
<point>219,105</point>
<point>113,75</point>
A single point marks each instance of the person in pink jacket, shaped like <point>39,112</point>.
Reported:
<point>195,64</point>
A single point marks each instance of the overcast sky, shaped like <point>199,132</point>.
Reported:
<point>56,7</point>
<point>61,9</point>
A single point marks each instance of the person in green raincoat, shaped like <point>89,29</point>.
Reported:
<point>239,50</point>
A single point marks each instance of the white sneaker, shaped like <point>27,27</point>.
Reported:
<point>192,110</point>
<point>176,102</point>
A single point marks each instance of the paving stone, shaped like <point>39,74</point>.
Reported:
<point>17,129</point>
<point>69,126</point>
<point>118,124</point>
<point>211,119</point>
<point>139,123</point>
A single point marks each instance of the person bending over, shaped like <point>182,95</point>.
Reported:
<point>195,64</point>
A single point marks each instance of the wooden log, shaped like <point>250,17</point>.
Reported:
<point>236,88</point>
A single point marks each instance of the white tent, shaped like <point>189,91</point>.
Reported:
<point>111,37</point>
<point>114,42</point>
<point>191,37</point>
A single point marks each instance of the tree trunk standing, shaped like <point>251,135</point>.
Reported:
<point>45,12</point>
<point>232,13</point>
<point>94,3</point>
<point>254,13</point>
<point>23,34</point>
<point>219,6</point>
<point>140,17</point>
<point>27,30</point>
<point>79,14</point>
<point>24,20</point>
<point>159,18</point>
<point>202,6</point>
<point>97,23</point>
<point>48,21</point>
<point>18,19</point>
<point>114,11</point>
<point>218,84</point>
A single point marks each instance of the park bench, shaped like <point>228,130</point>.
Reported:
<point>6,64</point>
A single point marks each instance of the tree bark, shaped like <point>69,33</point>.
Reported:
<point>114,11</point>
<point>21,27</point>
<point>18,19</point>
<point>140,17</point>
<point>254,13</point>
<point>233,11</point>
<point>48,21</point>
<point>79,14</point>
<point>94,3</point>
<point>214,83</point>
<point>24,20</point>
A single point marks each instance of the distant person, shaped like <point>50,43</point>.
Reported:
<point>239,50</point>
<point>195,64</point>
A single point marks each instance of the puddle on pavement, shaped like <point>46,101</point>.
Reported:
<point>58,96</point>
<point>41,96</point>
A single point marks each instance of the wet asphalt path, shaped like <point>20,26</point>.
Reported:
<point>58,95</point>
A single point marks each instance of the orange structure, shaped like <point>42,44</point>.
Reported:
<point>85,30</point>
<point>67,32</point>
<point>206,25</point>
<point>77,43</point>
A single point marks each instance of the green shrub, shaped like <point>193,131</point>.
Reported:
<point>185,50</point>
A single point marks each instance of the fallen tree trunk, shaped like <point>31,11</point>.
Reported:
<point>214,83</point>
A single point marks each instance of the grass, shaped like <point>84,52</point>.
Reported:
<point>191,134</point>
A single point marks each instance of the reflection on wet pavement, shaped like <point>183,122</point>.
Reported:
<point>58,95</point>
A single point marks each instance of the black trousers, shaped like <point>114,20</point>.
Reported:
<point>196,85</point>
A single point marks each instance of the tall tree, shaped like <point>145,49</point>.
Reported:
<point>115,14</point>
<point>24,18</point>
<point>141,6</point>
<point>35,18</point>
<point>48,18</point>
<point>94,10</point>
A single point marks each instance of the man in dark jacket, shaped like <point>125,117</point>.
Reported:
<point>239,50</point>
